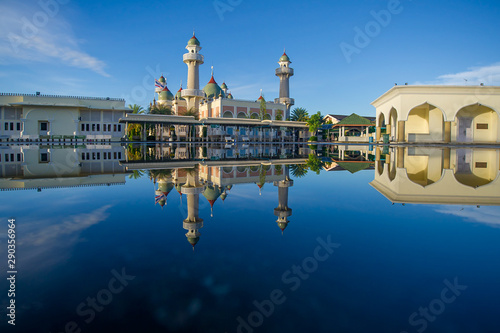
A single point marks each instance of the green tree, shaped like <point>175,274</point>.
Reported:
<point>160,109</point>
<point>298,170</point>
<point>299,114</point>
<point>314,122</point>
<point>136,174</point>
<point>193,113</point>
<point>136,109</point>
<point>314,163</point>
<point>279,115</point>
<point>262,108</point>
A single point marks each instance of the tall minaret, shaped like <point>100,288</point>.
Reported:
<point>193,223</point>
<point>193,60</point>
<point>284,72</point>
<point>282,211</point>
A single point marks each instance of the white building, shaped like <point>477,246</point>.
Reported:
<point>36,117</point>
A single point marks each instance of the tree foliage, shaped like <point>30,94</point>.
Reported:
<point>262,108</point>
<point>314,163</point>
<point>136,109</point>
<point>299,114</point>
<point>160,109</point>
<point>314,122</point>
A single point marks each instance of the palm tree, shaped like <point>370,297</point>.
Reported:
<point>298,170</point>
<point>193,113</point>
<point>299,114</point>
<point>136,174</point>
<point>314,122</point>
<point>136,109</point>
<point>160,109</point>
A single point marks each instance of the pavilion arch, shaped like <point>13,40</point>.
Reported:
<point>425,170</point>
<point>227,114</point>
<point>241,115</point>
<point>254,116</point>
<point>267,116</point>
<point>392,126</point>
<point>381,125</point>
<point>425,123</point>
<point>475,168</point>
<point>476,123</point>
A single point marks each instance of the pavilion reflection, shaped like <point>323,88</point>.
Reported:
<point>468,176</point>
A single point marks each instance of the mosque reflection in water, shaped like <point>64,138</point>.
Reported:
<point>409,174</point>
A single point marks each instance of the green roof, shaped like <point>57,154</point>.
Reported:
<point>194,41</point>
<point>162,79</point>
<point>284,57</point>
<point>212,89</point>
<point>165,95</point>
<point>354,167</point>
<point>354,119</point>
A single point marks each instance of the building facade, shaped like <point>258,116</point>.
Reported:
<point>36,117</point>
<point>439,114</point>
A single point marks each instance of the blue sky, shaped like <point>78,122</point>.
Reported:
<point>115,48</point>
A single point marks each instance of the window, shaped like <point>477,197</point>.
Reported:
<point>105,156</point>
<point>6,126</point>
<point>83,127</point>
<point>6,157</point>
<point>83,156</point>
<point>119,128</point>
<point>98,156</point>
<point>93,155</point>
<point>98,126</point>
<point>114,155</point>
<point>18,126</point>
<point>119,155</point>
<point>44,126</point>
<point>87,127</point>
<point>44,157</point>
<point>109,127</point>
<point>88,156</point>
<point>482,126</point>
<point>93,127</point>
<point>114,127</point>
<point>11,126</point>
<point>12,158</point>
<point>109,155</point>
<point>104,127</point>
<point>19,157</point>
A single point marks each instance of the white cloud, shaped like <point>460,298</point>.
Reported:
<point>28,33</point>
<point>488,215</point>
<point>489,75</point>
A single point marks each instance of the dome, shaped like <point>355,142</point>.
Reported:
<point>224,86</point>
<point>194,41</point>
<point>261,98</point>
<point>211,193</point>
<point>284,57</point>
<point>178,94</point>
<point>193,240</point>
<point>212,89</point>
<point>282,225</point>
<point>162,79</point>
<point>165,95</point>
<point>229,96</point>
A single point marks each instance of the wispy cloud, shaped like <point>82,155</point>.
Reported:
<point>489,75</point>
<point>487,215</point>
<point>31,33</point>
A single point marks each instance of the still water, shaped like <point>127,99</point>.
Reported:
<point>177,238</point>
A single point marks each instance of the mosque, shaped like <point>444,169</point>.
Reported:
<point>214,101</point>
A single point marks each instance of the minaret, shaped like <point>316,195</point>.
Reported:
<point>284,72</point>
<point>282,211</point>
<point>193,223</point>
<point>193,60</point>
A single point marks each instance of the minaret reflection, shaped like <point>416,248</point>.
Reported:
<point>283,211</point>
<point>193,223</point>
<point>164,180</point>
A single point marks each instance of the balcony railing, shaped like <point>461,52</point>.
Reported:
<point>193,56</point>
<point>284,70</point>
<point>192,92</point>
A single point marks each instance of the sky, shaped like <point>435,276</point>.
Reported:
<point>345,53</point>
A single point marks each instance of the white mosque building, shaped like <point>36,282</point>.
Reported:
<point>214,101</point>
